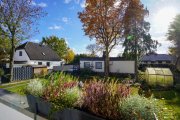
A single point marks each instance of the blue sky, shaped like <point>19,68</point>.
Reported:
<point>62,20</point>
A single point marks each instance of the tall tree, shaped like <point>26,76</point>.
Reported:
<point>145,44</point>
<point>104,20</point>
<point>69,57</point>
<point>134,24</point>
<point>16,20</point>
<point>59,45</point>
<point>174,36</point>
<point>93,49</point>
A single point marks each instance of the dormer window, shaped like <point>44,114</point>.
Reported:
<point>20,53</point>
<point>43,53</point>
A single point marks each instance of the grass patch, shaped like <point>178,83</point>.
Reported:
<point>19,89</point>
<point>14,83</point>
<point>169,99</point>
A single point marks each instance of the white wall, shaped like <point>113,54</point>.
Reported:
<point>52,63</point>
<point>114,67</point>
<point>92,63</point>
<point>24,56</point>
<point>122,67</point>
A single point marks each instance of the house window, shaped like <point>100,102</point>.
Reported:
<point>48,64</point>
<point>168,62</point>
<point>20,53</point>
<point>39,63</point>
<point>86,64</point>
<point>152,62</point>
<point>98,65</point>
<point>160,62</point>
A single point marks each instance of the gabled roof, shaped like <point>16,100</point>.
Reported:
<point>36,51</point>
<point>101,59</point>
<point>158,57</point>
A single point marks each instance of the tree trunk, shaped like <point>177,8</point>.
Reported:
<point>136,61</point>
<point>12,58</point>
<point>107,64</point>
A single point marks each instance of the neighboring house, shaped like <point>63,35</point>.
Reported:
<point>158,60</point>
<point>116,64</point>
<point>35,54</point>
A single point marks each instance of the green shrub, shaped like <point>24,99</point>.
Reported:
<point>35,87</point>
<point>1,72</point>
<point>177,87</point>
<point>141,76</point>
<point>60,77</point>
<point>145,90</point>
<point>138,108</point>
<point>102,98</point>
<point>62,91</point>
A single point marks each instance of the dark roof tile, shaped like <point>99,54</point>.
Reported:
<point>36,51</point>
<point>158,57</point>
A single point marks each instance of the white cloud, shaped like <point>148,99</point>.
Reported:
<point>83,4</point>
<point>65,20</point>
<point>161,14</point>
<point>42,4</point>
<point>35,40</point>
<point>116,51</point>
<point>67,1</point>
<point>55,27</point>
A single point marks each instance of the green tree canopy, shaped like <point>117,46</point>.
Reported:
<point>77,58</point>
<point>145,44</point>
<point>69,57</point>
<point>59,45</point>
<point>174,36</point>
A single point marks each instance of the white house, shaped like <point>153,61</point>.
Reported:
<point>31,53</point>
<point>116,64</point>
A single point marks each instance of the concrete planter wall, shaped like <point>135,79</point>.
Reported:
<point>38,105</point>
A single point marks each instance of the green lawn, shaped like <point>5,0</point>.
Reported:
<point>16,87</point>
<point>19,89</point>
<point>170,100</point>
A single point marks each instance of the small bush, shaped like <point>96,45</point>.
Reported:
<point>177,87</point>
<point>1,72</point>
<point>62,91</point>
<point>102,98</point>
<point>145,90</point>
<point>138,108</point>
<point>141,76</point>
<point>35,87</point>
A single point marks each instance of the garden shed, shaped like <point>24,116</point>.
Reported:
<point>159,77</point>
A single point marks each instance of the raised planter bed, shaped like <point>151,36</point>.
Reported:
<point>39,106</point>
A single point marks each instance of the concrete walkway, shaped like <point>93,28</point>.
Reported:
<point>17,104</point>
<point>13,98</point>
<point>7,113</point>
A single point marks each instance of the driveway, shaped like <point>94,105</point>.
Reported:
<point>7,113</point>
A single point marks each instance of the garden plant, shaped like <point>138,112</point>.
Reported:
<point>104,99</point>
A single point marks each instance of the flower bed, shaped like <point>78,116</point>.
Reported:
<point>63,97</point>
